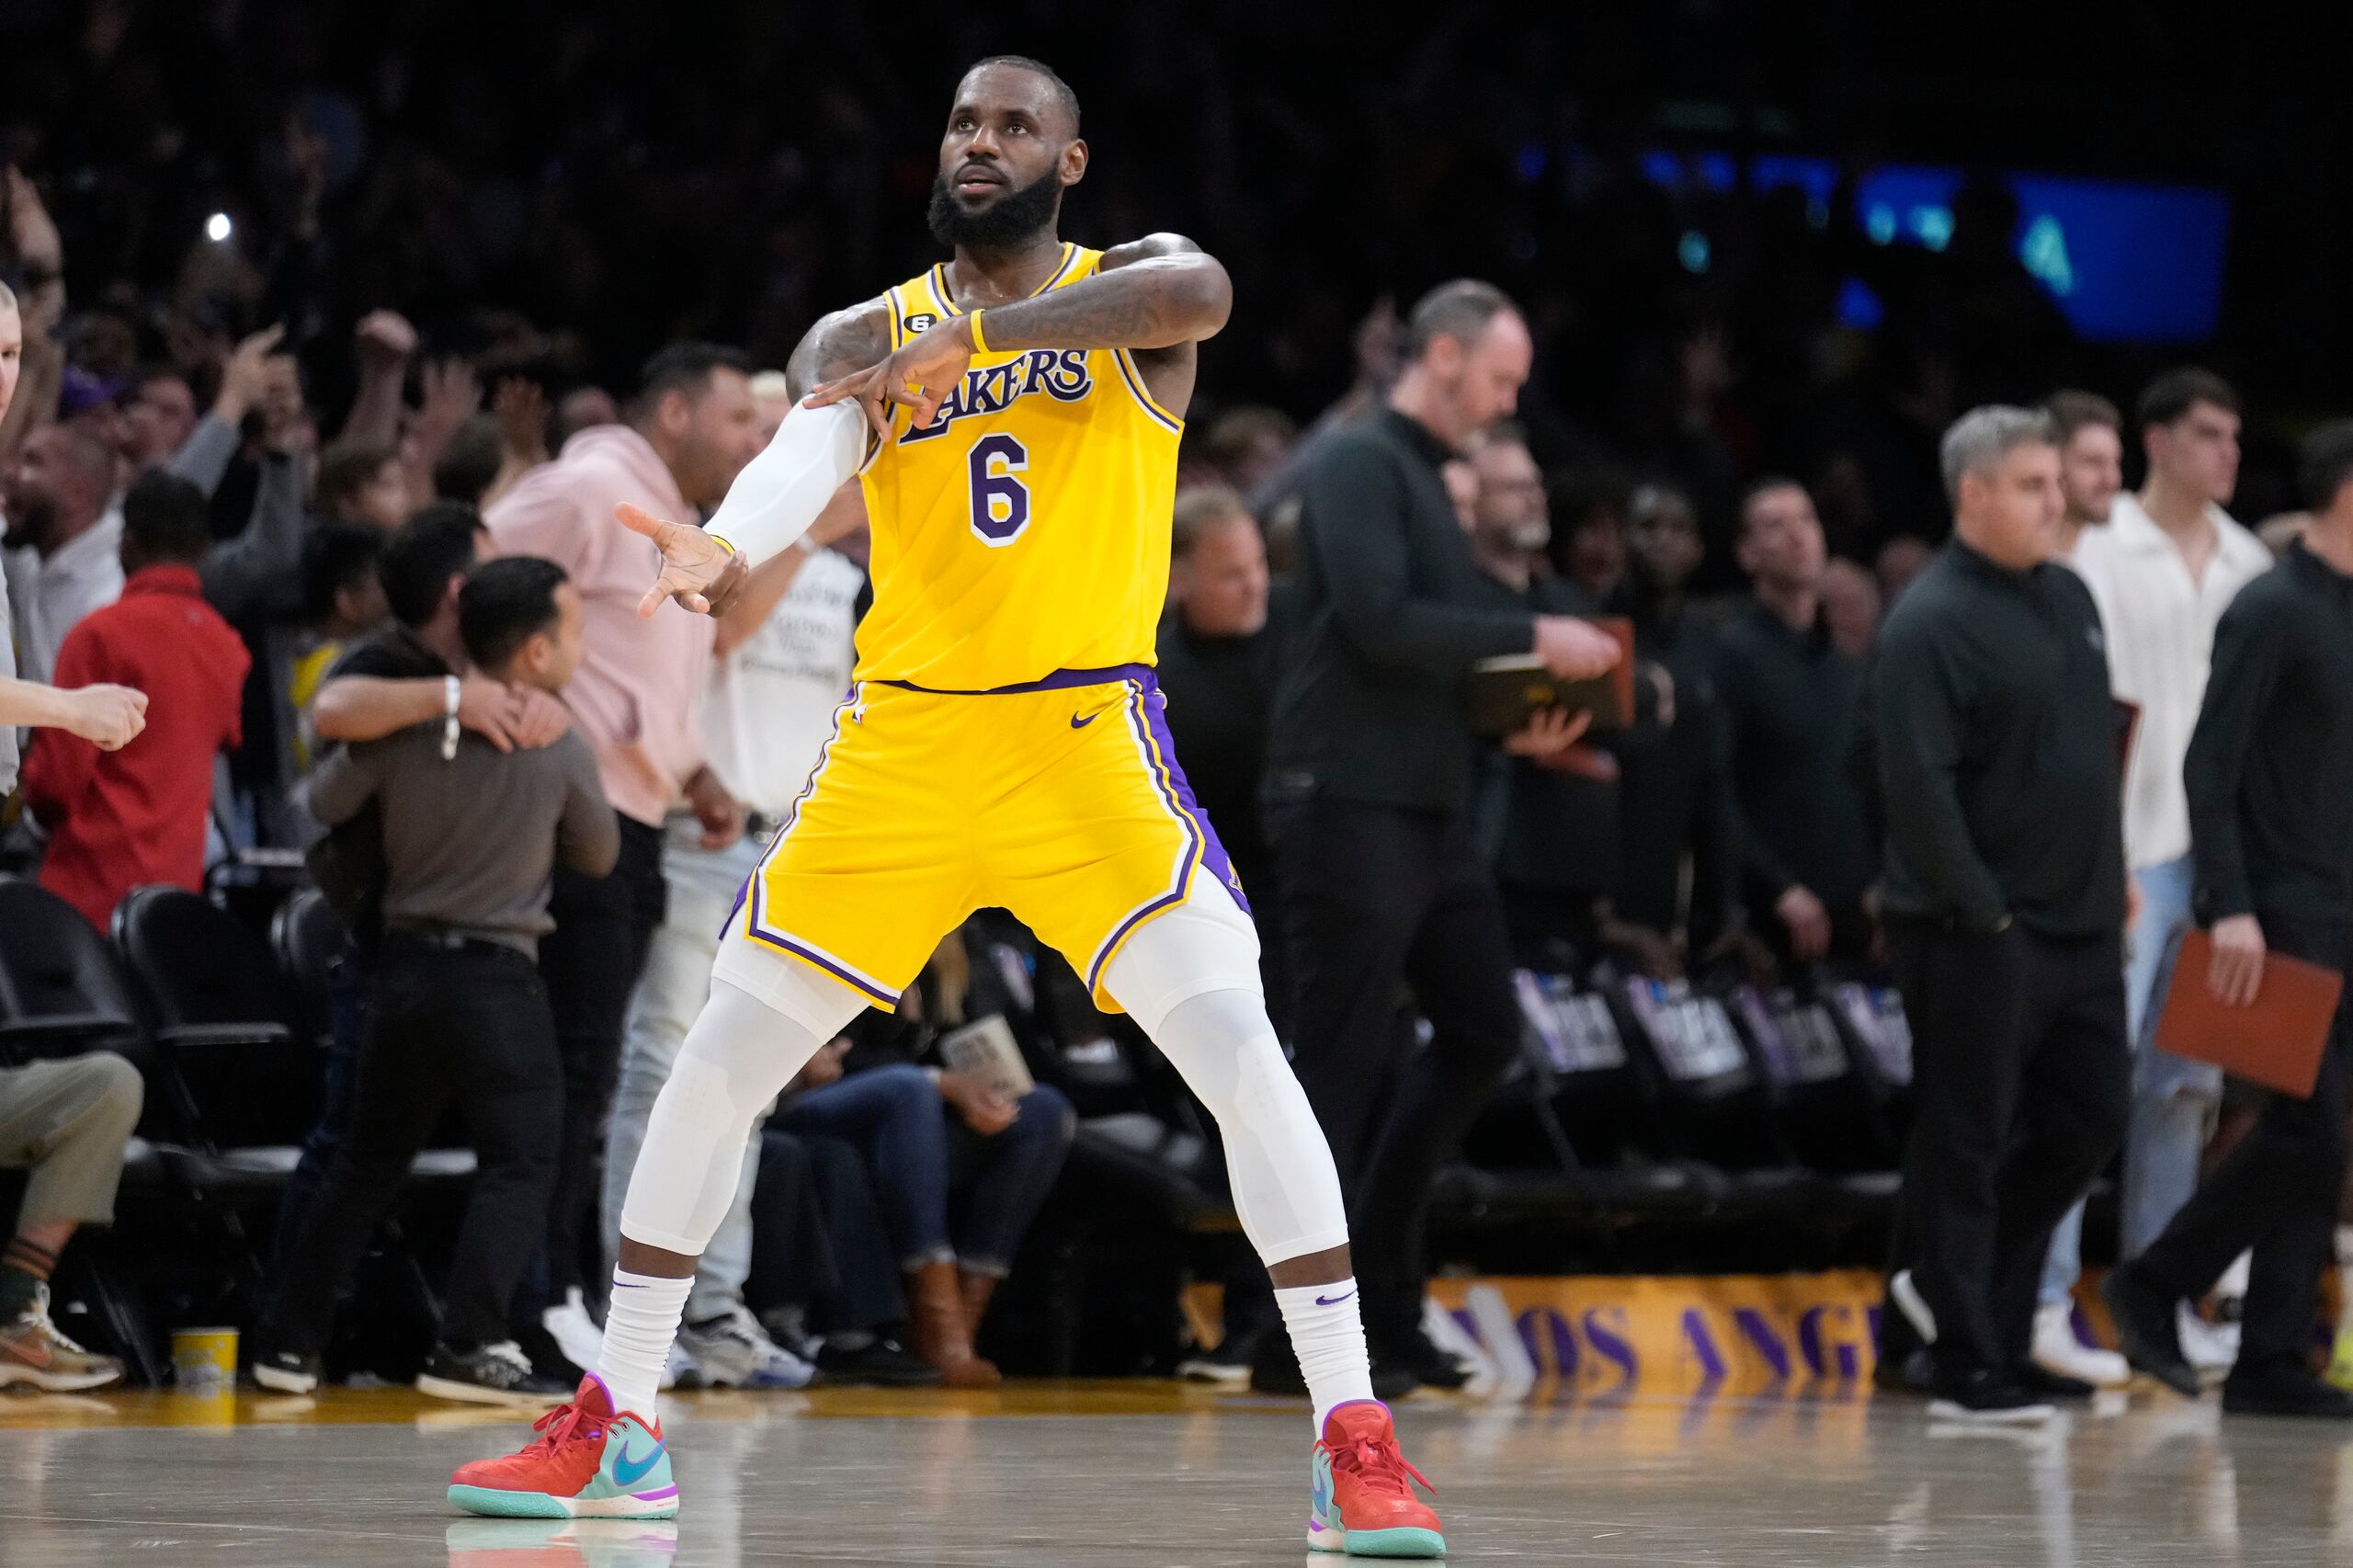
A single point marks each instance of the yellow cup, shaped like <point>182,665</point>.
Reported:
<point>204,1360</point>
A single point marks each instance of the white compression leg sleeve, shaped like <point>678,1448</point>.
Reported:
<point>1190,978</point>
<point>739,1053</point>
<point>741,1050</point>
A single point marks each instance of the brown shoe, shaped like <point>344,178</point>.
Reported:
<point>32,1351</point>
<point>941,1335</point>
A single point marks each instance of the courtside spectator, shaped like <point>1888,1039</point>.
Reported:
<point>2164,569</point>
<point>2270,770</point>
<point>117,820</point>
<point>66,1123</point>
<point>64,555</point>
<point>158,419</point>
<point>639,702</point>
<point>1789,699</point>
<point>363,482</point>
<point>459,1014</point>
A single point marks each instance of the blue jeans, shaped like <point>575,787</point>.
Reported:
<point>925,1161</point>
<point>2173,1097</point>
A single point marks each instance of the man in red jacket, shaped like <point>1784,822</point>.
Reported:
<point>123,819</point>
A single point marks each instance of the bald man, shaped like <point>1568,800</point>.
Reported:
<point>64,540</point>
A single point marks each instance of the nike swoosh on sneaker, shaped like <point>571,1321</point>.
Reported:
<point>1076,722</point>
<point>628,1471</point>
<point>1333,1300</point>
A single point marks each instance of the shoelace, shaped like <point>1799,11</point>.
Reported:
<point>562,1425</point>
<point>39,1317</point>
<point>1381,1466</point>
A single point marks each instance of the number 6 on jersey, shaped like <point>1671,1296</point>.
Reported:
<point>1000,501</point>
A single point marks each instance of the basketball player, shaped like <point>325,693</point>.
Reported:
<point>1014,414</point>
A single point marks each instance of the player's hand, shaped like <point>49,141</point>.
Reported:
<point>918,375</point>
<point>1549,734</point>
<point>108,717</point>
<point>2236,975</point>
<point>1573,648</point>
<point>1808,922</point>
<point>983,1111</point>
<point>692,562</point>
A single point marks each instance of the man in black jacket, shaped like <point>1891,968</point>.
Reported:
<point>1369,780</point>
<point>1999,765</point>
<point>2269,771</point>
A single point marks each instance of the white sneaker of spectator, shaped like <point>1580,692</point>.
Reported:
<point>681,1370</point>
<point>2211,1347</point>
<point>2058,1351</point>
<point>575,1332</point>
<point>735,1351</point>
<point>1912,1305</point>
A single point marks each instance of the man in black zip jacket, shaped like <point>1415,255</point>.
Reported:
<point>1369,782</point>
<point>1998,763</point>
<point>2270,773</point>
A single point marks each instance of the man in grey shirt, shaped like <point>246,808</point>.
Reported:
<point>472,839</point>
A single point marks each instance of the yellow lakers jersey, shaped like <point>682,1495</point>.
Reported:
<point>1025,529</point>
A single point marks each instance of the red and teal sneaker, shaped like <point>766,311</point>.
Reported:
<point>1360,1496</point>
<point>588,1461</point>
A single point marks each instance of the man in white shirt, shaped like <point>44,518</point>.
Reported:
<point>64,555</point>
<point>2162,571</point>
<point>782,657</point>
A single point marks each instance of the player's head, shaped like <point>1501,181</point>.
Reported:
<point>1467,355</point>
<point>1010,151</point>
<point>12,346</point>
<point>163,523</point>
<point>520,618</point>
<point>2189,427</point>
<point>694,405</point>
<point>425,563</point>
<point>1217,564</point>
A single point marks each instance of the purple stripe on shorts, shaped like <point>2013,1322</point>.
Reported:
<point>1213,855</point>
<point>1060,680</point>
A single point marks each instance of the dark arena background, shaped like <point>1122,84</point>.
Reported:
<point>1832,1058</point>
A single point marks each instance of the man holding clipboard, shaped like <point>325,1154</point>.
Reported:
<point>2270,776</point>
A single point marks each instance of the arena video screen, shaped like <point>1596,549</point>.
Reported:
<point>2127,261</point>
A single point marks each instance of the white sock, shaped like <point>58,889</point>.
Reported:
<point>1327,1334</point>
<point>640,1325</point>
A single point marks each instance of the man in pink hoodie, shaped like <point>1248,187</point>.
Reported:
<point>638,699</point>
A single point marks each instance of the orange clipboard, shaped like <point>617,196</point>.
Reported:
<point>2276,1041</point>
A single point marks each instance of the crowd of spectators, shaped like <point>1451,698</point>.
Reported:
<point>331,380</point>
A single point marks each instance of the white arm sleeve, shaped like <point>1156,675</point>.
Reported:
<point>780,493</point>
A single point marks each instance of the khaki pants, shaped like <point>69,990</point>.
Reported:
<point>67,1122</point>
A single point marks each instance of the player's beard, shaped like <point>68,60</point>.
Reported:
<point>1016,216</point>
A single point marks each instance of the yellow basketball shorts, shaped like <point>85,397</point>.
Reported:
<point>1060,800</point>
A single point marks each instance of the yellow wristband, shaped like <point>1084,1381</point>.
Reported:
<point>980,344</point>
<point>722,543</point>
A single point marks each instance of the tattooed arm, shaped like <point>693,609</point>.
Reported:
<point>1159,297</point>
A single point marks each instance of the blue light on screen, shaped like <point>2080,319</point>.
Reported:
<point>2127,262</point>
